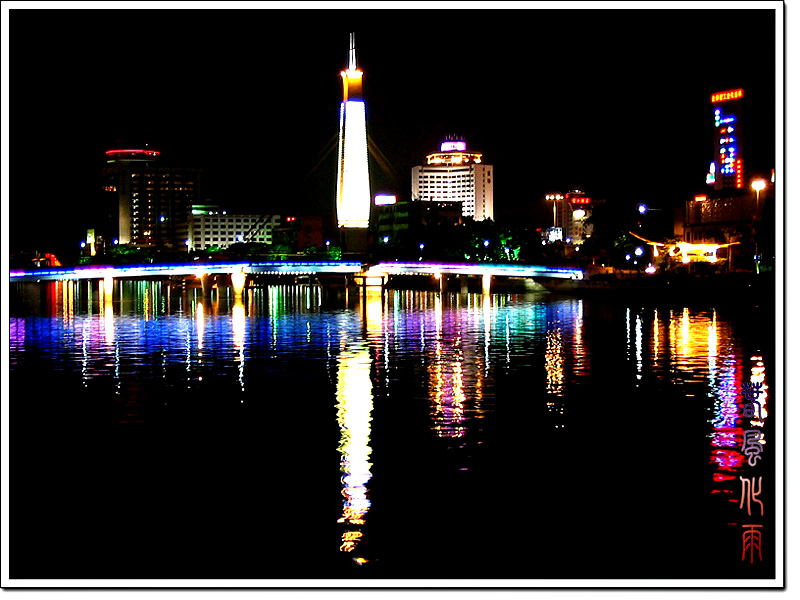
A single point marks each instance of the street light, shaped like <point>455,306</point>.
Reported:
<point>758,185</point>
<point>555,198</point>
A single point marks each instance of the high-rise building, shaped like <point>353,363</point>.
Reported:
<point>453,174</point>
<point>727,167</point>
<point>149,204</point>
<point>352,191</point>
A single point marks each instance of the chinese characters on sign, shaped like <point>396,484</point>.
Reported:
<point>752,448</point>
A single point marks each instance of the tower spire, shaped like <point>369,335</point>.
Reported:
<point>351,64</point>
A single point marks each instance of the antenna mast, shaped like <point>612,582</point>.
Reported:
<point>352,57</point>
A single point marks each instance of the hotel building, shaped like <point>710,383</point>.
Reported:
<point>453,174</point>
<point>148,204</point>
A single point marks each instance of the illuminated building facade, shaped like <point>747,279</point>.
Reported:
<point>211,227</point>
<point>149,204</point>
<point>732,209</point>
<point>726,170</point>
<point>352,190</point>
<point>453,174</point>
<point>570,214</point>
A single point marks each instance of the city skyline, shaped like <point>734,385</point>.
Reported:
<point>553,99</point>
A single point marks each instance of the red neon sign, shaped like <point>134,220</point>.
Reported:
<point>729,95</point>
<point>150,152</point>
<point>584,200</point>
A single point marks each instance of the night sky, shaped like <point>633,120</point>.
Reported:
<point>613,101</point>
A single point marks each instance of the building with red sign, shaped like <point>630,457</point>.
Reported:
<point>571,212</point>
<point>726,170</point>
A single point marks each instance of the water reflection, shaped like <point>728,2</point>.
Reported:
<point>441,359</point>
<point>354,403</point>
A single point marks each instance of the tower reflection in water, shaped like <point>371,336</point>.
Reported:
<point>354,402</point>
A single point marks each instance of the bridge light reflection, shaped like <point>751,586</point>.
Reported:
<point>238,281</point>
<point>238,322</point>
<point>353,414</point>
<point>200,322</point>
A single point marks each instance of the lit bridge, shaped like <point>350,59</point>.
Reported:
<point>360,273</point>
<point>185,269</point>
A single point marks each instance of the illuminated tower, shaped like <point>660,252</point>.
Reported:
<point>352,180</point>
<point>727,169</point>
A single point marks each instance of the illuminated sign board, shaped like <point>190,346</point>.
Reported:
<point>136,151</point>
<point>384,199</point>
<point>728,159</point>
<point>555,234</point>
<point>729,95</point>
<point>578,199</point>
<point>700,198</point>
<point>450,146</point>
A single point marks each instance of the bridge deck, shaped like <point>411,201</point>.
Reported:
<point>292,268</point>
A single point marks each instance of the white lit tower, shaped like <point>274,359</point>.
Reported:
<point>352,180</point>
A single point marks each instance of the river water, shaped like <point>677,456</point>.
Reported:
<point>292,434</point>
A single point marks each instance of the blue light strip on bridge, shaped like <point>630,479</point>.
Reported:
<point>284,268</point>
<point>99,272</point>
<point>479,269</point>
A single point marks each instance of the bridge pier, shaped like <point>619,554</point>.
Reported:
<point>442,282</point>
<point>463,282</point>
<point>486,284</point>
<point>206,284</point>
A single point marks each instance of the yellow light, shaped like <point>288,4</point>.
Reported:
<point>758,184</point>
<point>353,414</point>
<point>238,281</point>
<point>238,322</point>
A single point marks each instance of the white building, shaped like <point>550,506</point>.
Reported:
<point>455,174</point>
<point>209,226</point>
